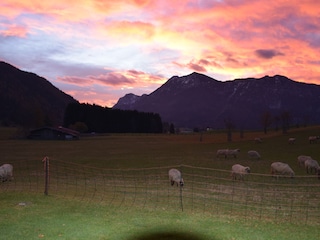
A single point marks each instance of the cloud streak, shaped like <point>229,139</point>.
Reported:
<point>100,50</point>
<point>267,53</point>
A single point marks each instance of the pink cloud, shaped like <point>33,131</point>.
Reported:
<point>13,30</point>
<point>129,78</point>
<point>104,89</point>
<point>196,67</point>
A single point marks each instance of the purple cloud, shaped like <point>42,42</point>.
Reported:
<point>267,53</point>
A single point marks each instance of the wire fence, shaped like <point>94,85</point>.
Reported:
<point>206,190</point>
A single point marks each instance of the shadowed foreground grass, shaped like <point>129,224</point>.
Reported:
<point>28,216</point>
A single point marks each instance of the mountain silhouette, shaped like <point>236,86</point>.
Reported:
<point>197,100</point>
<point>29,100</point>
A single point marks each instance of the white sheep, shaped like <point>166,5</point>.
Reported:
<point>302,159</point>
<point>233,152</point>
<point>291,140</point>
<point>6,172</point>
<point>238,171</point>
<point>282,169</point>
<point>175,177</point>
<point>253,154</point>
<point>258,140</point>
<point>311,165</point>
<point>313,139</point>
<point>222,152</point>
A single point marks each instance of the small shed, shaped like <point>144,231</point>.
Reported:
<point>53,133</point>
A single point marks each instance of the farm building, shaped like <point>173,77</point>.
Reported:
<point>53,133</point>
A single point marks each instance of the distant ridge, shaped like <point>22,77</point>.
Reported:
<point>29,100</point>
<point>197,100</point>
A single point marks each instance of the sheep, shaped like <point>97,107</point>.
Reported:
<point>258,140</point>
<point>313,139</point>
<point>6,172</point>
<point>238,171</point>
<point>233,152</point>
<point>280,168</point>
<point>253,154</point>
<point>222,152</point>
<point>291,140</point>
<point>310,165</point>
<point>175,177</point>
<point>302,159</point>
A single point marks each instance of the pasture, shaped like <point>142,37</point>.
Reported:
<point>116,187</point>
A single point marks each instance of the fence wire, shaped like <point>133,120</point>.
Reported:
<point>206,190</point>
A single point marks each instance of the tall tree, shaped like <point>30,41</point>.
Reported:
<point>266,121</point>
<point>285,120</point>
<point>230,126</point>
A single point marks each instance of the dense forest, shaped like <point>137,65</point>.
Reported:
<point>85,117</point>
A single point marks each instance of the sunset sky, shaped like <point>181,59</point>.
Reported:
<point>97,51</point>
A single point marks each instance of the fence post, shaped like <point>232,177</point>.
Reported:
<point>46,174</point>
<point>181,199</point>
<point>181,202</point>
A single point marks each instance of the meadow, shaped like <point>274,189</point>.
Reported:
<point>27,213</point>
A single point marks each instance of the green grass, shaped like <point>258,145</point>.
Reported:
<point>66,217</point>
<point>52,218</point>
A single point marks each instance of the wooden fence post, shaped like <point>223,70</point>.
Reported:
<point>46,174</point>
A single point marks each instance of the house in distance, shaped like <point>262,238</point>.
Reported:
<point>53,133</point>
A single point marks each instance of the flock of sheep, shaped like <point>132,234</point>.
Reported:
<point>237,171</point>
<point>277,168</point>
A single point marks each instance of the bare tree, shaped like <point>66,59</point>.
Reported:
<point>230,127</point>
<point>266,120</point>
<point>277,120</point>
<point>285,119</point>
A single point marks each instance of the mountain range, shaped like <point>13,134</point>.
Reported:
<point>29,100</point>
<point>192,101</point>
<point>199,101</point>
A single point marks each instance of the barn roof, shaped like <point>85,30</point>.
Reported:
<point>53,133</point>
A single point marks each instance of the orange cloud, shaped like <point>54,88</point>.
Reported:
<point>130,31</point>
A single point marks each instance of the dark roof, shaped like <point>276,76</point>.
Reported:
<point>42,133</point>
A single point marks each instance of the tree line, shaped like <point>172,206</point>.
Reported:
<point>85,117</point>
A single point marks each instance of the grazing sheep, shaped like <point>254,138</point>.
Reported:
<point>253,154</point>
<point>233,152</point>
<point>238,171</point>
<point>302,159</point>
<point>313,139</point>
<point>6,172</point>
<point>291,140</point>
<point>258,140</point>
<point>282,169</point>
<point>222,152</point>
<point>175,177</point>
<point>310,165</point>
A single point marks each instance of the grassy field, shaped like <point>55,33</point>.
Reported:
<point>30,215</point>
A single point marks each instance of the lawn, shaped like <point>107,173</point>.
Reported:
<point>28,216</point>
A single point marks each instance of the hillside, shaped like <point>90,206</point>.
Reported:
<point>197,100</point>
<point>29,100</point>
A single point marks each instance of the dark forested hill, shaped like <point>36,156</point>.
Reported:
<point>29,100</point>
